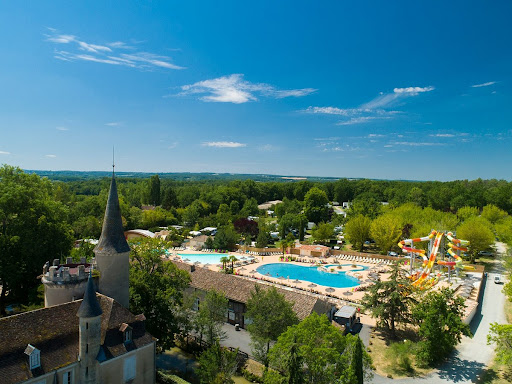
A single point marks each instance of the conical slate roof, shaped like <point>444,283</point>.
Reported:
<point>90,306</point>
<point>112,235</point>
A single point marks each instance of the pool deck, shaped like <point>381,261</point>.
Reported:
<point>350,295</point>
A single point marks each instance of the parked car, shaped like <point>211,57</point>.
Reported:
<point>497,279</point>
<point>485,253</point>
<point>392,254</point>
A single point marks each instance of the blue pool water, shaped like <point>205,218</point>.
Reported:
<point>311,274</point>
<point>203,258</point>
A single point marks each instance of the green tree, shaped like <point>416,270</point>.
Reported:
<point>466,212</point>
<point>493,213</point>
<point>287,242</point>
<point>33,230</point>
<point>225,238</point>
<point>232,260</point>
<point>501,335</point>
<point>217,365</point>
<point>154,190</point>
<point>224,260</point>
<point>208,244</point>
<point>212,315</point>
<point>386,231</point>
<point>156,288</point>
<point>357,231</point>
<point>223,215</point>
<point>270,316</point>
<point>391,301</point>
<point>323,232</point>
<point>263,235</point>
<point>322,349</point>
<point>439,316</point>
<point>169,199</point>
<point>479,233</point>
<point>315,205</point>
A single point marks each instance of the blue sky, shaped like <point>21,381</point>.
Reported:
<point>397,90</point>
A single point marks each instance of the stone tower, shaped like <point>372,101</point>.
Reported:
<point>112,252</point>
<point>89,315</point>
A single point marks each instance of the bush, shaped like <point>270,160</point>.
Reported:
<point>400,355</point>
<point>249,376</point>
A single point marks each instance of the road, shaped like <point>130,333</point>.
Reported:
<point>472,354</point>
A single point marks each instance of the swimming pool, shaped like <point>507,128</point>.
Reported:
<point>311,274</point>
<point>203,258</point>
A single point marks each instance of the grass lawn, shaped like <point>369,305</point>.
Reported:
<point>395,358</point>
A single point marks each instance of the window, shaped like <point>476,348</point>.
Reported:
<point>130,364</point>
<point>67,377</point>
<point>196,304</point>
<point>128,335</point>
<point>34,360</point>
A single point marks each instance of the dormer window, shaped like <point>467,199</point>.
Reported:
<point>34,356</point>
<point>127,333</point>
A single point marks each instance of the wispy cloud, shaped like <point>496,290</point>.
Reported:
<point>114,124</point>
<point>223,144</point>
<point>62,128</point>
<point>362,119</point>
<point>387,100</point>
<point>376,109</point>
<point>267,148</point>
<point>113,53</point>
<point>4,153</point>
<point>234,89</point>
<point>50,156</point>
<point>483,84</point>
<point>417,144</point>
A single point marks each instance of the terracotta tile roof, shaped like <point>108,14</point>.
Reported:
<point>54,331</point>
<point>239,289</point>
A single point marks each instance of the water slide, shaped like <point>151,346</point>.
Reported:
<point>431,261</point>
<point>457,245</point>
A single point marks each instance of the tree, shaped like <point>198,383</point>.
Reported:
<point>225,238</point>
<point>223,215</point>
<point>501,335</point>
<point>232,259</point>
<point>493,213</point>
<point>170,199</point>
<point>439,316</point>
<point>477,231</point>
<point>270,314</point>
<point>246,227</point>
<point>212,315</point>
<point>357,230</point>
<point>217,365</point>
<point>386,231</point>
<point>323,232</point>
<point>302,221</point>
<point>315,205</point>
<point>263,236</point>
<point>224,260</point>
<point>33,230</point>
<point>391,301</point>
<point>365,204</point>
<point>322,349</point>
<point>287,242</point>
<point>466,212</point>
<point>286,223</point>
<point>156,288</point>
<point>154,190</point>
<point>208,244</point>
<point>250,208</point>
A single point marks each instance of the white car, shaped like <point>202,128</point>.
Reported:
<point>497,279</point>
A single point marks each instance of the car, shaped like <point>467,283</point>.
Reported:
<point>485,253</point>
<point>392,254</point>
<point>497,279</point>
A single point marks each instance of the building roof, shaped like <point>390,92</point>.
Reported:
<point>268,204</point>
<point>141,232</point>
<point>346,311</point>
<point>112,235</point>
<point>54,331</point>
<point>313,247</point>
<point>239,289</point>
<point>90,306</point>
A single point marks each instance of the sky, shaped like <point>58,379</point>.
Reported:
<point>415,90</point>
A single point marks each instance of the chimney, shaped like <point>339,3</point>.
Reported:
<point>56,262</point>
<point>81,270</point>
<point>46,266</point>
<point>52,272</point>
<point>83,260</point>
<point>65,273</point>
<point>192,268</point>
<point>69,260</point>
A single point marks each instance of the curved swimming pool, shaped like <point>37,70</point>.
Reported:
<point>312,274</point>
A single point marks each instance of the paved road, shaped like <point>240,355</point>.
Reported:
<point>473,354</point>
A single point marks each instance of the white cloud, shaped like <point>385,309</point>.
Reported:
<point>267,148</point>
<point>223,144</point>
<point>62,129</point>
<point>331,111</point>
<point>50,156</point>
<point>387,100</point>
<point>362,119</point>
<point>4,153</point>
<point>114,124</point>
<point>109,53</point>
<point>483,84</point>
<point>416,144</point>
<point>413,91</point>
<point>442,135</point>
<point>234,89</point>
